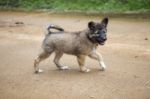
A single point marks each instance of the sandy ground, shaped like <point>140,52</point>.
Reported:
<point>126,54</point>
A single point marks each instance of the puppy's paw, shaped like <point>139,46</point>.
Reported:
<point>85,70</point>
<point>64,68</point>
<point>103,66</point>
<point>39,71</point>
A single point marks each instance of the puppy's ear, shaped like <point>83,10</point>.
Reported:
<point>91,25</point>
<point>105,21</point>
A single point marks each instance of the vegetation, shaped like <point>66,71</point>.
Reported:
<point>80,5</point>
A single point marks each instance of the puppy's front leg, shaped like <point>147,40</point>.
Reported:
<point>97,56</point>
<point>81,60</point>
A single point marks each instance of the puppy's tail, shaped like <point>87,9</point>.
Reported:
<point>54,27</point>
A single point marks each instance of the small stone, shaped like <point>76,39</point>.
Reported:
<point>135,76</point>
<point>91,96</point>
<point>19,23</point>
<point>146,38</point>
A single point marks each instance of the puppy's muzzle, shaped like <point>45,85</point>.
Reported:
<point>101,39</point>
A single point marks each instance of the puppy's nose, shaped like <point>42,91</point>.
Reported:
<point>104,39</point>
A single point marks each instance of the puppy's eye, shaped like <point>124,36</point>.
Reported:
<point>104,31</point>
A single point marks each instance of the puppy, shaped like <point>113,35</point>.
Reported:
<point>81,44</point>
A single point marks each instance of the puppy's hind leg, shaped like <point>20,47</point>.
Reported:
<point>41,57</point>
<point>81,60</point>
<point>58,55</point>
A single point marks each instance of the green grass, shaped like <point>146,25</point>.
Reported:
<point>80,5</point>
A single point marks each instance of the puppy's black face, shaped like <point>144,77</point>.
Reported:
<point>98,31</point>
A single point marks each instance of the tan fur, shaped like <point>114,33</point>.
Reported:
<point>71,43</point>
<point>76,43</point>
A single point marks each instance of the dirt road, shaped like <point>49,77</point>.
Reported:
<point>126,54</point>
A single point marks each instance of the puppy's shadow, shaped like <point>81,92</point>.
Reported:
<point>71,73</point>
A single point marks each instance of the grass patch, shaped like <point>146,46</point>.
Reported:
<point>110,6</point>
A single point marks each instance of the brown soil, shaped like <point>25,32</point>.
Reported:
<point>126,54</point>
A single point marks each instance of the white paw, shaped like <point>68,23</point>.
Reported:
<point>39,71</point>
<point>85,70</point>
<point>64,68</point>
<point>103,66</point>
